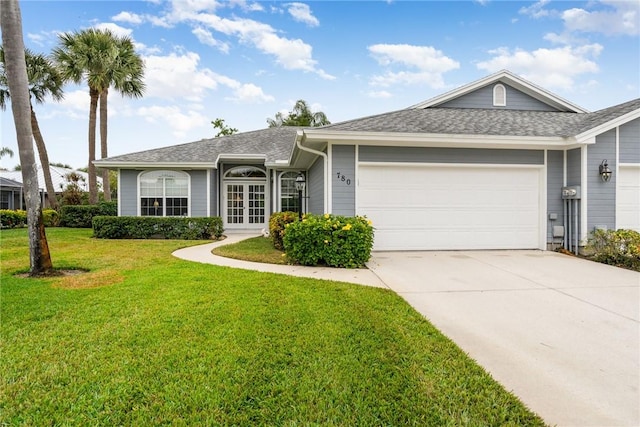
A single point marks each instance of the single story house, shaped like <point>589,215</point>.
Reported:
<point>60,178</point>
<point>499,163</point>
<point>11,196</point>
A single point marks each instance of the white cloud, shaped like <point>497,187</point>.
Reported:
<point>536,10</point>
<point>430,63</point>
<point>128,17</point>
<point>205,37</point>
<point>180,122</point>
<point>302,13</point>
<point>247,6</point>
<point>291,54</point>
<point>177,76</point>
<point>623,17</point>
<point>379,94</point>
<point>249,93</point>
<point>553,68</point>
<point>115,29</point>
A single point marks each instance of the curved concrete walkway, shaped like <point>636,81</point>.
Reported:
<point>202,254</point>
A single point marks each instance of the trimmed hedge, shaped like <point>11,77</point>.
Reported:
<point>148,227</point>
<point>12,219</point>
<point>336,241</point>
<point>50,217</point>
<point>277,224</point>
<point>620,248</point>
<point>80,216</point>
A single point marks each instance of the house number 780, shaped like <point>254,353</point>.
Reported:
<point>343,178</point>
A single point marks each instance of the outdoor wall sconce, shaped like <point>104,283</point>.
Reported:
<point>605,172</point>
<point>300,184</point>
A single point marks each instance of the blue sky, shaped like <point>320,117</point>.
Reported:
<point>244,61</point>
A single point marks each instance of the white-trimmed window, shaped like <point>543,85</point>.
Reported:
<point>288,192</point>
<point>499,95</point>
<point>164,193</point>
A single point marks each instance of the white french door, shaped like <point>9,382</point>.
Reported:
<point>245,205</point>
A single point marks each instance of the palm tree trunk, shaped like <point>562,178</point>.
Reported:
<point>91,169</point>
<point>106,186</point>
<point>44,161</point>
<point>17,81</point>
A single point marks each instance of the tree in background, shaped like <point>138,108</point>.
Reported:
<point>18,83</point>
<point>102,59</point>
<point>301,115</point>
<point>224,129</point>
<point>44,80</point>
<point>4,151</point>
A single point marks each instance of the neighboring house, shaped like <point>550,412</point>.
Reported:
<point>480,167</point>
<point>59,178</point>
<point>11,194</point>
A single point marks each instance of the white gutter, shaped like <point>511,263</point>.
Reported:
<point>299,137</point>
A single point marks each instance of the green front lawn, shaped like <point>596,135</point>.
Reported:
<point>144,338</point>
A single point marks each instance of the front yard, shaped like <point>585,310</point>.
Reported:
<point>143,338</point>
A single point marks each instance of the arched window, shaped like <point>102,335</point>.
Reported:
<point>288,192</point>
<point>499,96</point>
<point>164,193</point>
<point>245,172</point>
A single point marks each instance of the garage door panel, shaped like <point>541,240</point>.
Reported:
<point>433,207</point>
<point>628,198</point>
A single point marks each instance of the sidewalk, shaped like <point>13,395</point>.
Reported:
<point>202,254</point>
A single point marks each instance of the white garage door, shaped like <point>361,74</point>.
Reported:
<point>628,198</point>
<point>433,207</point>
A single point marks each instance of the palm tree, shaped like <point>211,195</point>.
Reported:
<point>5,151</point>
<point>125,75</point>
<point>102,59</point>
<point>301,115</point>
<point>44,80</point>
<point>18,83</point>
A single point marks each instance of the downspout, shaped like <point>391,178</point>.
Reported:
<point>299,136</point>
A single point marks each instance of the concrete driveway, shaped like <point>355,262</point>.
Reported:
<point>560,332</point>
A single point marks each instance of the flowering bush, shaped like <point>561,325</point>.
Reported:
<point>336,241</point>
<point>12,219</point>
<point>277,223</point>
<point>619,247</point>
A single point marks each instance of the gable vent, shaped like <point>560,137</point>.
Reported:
<point>499,96</point>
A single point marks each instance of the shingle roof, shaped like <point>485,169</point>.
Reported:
<point>275,143</point>
<point>471,121</point>
<point>9,183</point>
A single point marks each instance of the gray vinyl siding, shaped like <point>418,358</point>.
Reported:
<point>198,192</point>
<point>630,142</point>
<point>450,155</point>
<point>343,191</point>
<point>483,98</point>
<point>574,167</point>
<point>555,164</point>
<point>315,175</point>
<point>128,192</point>
<point>601,195</point>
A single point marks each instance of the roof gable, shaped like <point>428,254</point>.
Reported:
<point>542,96</point>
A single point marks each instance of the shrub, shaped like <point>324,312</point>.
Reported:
<point>80,216</point>
<point>12,219</point>
<point>50,217</point>
<point>277,225</point>
<point>619,247</point>
<point>148,227</point>
<point>336,241</point>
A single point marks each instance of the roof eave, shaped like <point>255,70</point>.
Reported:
<point>611,124</point>
<point>440,140</point>
<point>121,164</point>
